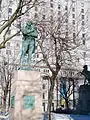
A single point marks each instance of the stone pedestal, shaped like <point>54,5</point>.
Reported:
<point>84,99</point>
<point>26,96</point>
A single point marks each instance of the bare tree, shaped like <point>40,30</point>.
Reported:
<point>56,52</point>
<point>6,72</point>
<point>57,44</point>
<point>6,24</point>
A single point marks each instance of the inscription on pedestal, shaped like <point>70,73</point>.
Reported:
<point>29,102</point>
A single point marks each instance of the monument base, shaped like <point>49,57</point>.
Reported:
<point>84,99</point>
<point>26,96</point>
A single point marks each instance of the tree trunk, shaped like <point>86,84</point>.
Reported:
<point>49,104</point>
<point>4,99</point>
<point>50,98</point>
<point>67,103</point>
<point>5,95</point>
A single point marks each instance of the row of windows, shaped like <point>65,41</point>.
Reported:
<point>36,16</point>
<point>73,10</point>
<point>45,71</point>
<point>73,22</point>
<point>71,73</point>
<point>51,5</point>
<point>73,16</point>
<point>17,44</point>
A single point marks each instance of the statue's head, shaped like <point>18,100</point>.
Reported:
<point>85,67</point>
<point>29,23</point>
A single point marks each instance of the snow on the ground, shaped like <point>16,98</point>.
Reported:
<point>69,117</point>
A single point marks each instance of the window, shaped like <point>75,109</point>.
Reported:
<point>66,33</point>
<point>8,52</point>
<point>59,6</point>
<point>83,41</point>
<point>66,8</point>
<point>43,16</point>
<point>82,4</point>
<point>53,106</point>
<point>73,35</point>
<point>48,71</point>
<point>73,15</point>
<point>44,70</point>
<point>82,10</point>
<point>10,10</point>
<point>37,55</point>
<point>51,18</point>
<point>43,95</point>
<point>45,78</point>
<point>73,9</point>
<point>8,44</point>
<point>51,5</point>
<point>10,1</point>
<point>43,86</point>
<point>73,1</point>
<point>58,12</point>
<point>82,22</point>
<point>44,107</point>
<point>82,16</point>
<point>17,45</point>
<point>84,54</point>
<point>73,22</point>
<point>58,18</point>
<point>36,15</point>
<point>83,35</point>
<point>36,8</point>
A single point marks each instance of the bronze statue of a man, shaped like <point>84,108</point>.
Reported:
<point>86,74</point>
<point>29,32</point>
